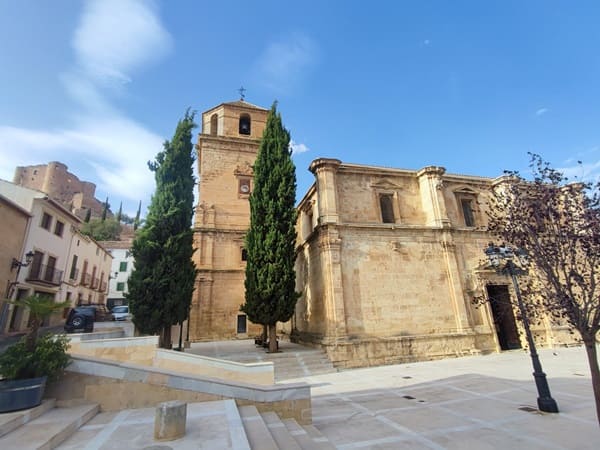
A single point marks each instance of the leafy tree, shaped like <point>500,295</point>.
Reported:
<point>34,356</point>
<point>270,241</point>
<point>558,223</point>
<point>127,219</point>
<point>161,285</point>
<point>120,213</point>
<point>102,230</point>
<point>88,216</point>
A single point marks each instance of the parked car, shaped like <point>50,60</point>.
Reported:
<point>120,313</point>
<point>101,312</point>
<point>80,319</point>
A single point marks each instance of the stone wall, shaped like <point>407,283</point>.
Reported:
<point>116,386</point>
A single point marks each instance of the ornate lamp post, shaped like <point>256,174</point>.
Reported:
<point>545,401</point>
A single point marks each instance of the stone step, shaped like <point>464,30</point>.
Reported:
<point>300,435</point>
<point>280,433</point>
<point>50,429</point>
<point>257,432</point>
<point>13,420</point>
<point>322,443</point>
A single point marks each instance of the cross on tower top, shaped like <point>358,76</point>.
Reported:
<point>242,95</point>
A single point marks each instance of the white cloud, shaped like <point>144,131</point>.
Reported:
<point>541,111</point>
<point>114,37</point>
<point>116,148</point>
<point>284,63</point>
<point>298,147</point>
<point>112,40</point>
<point>580,167</point>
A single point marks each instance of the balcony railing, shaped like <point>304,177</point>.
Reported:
<point>86,279</point>
<point>44,274</point>
<point>95,282</point>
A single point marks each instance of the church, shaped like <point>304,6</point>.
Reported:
<point>389,260</point>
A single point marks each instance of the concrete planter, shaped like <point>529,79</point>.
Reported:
<point>21,394</point>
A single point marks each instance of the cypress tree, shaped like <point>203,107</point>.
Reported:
<point>105,210</point>
<point>161,285</point>
<point>270,242</point>
<point>136,222</point>
<point>88,216</point>
<point>120,213</point>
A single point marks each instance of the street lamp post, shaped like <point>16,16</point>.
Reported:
<point>545,401</point>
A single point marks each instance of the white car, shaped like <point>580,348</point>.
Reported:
<point>120,313</point>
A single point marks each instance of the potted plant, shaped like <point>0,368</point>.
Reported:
<point>27,365</point>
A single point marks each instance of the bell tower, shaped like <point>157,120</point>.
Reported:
<point>227,148</point>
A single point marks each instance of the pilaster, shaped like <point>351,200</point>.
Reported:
<point>324,170</point>
<point>330,246</point>
<point>432,198</point>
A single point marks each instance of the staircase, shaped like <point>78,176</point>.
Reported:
<point>43,427</point>
<point>294,361</point>
<point>210,425</point>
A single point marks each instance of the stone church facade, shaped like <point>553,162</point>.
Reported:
<point>389,260</point>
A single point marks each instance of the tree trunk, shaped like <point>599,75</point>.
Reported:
<point>265,335</point>
<point>590,348</point>
<point>165,338</point>
<point>273,338</point>
<point>32,335</point>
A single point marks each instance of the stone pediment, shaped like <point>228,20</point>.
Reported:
<point>385,183</point>
<point>465,190</point>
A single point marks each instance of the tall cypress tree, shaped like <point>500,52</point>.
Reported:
<point>161,285</point>
<point>136,222</point>
<point>105,210</point>
<point>120,213</point>
<point>270,241</point>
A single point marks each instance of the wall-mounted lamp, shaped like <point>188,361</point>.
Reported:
<point>16,263</point>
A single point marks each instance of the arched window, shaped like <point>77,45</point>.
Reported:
<point>213,125</point>
<point>245,124</point>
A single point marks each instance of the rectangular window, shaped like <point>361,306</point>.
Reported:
<point>242,326</point>
<point>36,265</point>
<point>49,275</point>
<point>73,273</point>
<point>121,286</point>
<point>386,203</point>
<point>123,266</point>
<point>46,221</point>
<point>244,254</point>
<point>58,228</point>
<point>467,209</point>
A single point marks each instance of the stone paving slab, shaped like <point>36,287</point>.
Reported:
<point>210,425</point>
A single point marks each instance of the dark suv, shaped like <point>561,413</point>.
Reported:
<point>82,318</point>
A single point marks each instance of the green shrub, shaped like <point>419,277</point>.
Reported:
<point>49,359</point>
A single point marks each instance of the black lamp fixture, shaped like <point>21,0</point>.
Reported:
<point>18,264</point>
<point>503,252</point>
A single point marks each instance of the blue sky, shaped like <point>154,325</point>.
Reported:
<point>469,85</point>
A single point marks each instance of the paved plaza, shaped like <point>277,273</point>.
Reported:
<point>477,402</point>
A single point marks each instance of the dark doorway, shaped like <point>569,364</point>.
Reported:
<point>241,324</point>
<point>504,317</point>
